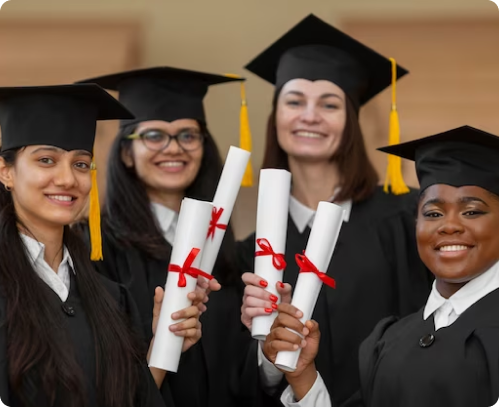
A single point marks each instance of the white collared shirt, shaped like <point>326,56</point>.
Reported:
<point>304,216</point>
<point>167,220</point>
<point>447,311</point>
<point>59,281</point>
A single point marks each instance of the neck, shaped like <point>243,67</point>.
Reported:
<point>171,200</point>
<point>447,289</point>
<point>52,239</point>
<point>313,181</point>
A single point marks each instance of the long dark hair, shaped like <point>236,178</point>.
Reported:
<point>359,177</point>
<point>127,213</point>
<point>38,347</point>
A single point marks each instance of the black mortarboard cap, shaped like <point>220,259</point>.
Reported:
<point>459,157</point>
<point>162,93</point>
<point>315,50</point>
<point>63,115</point>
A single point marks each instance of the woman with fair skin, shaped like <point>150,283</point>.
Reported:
<point>446,354</point>
<point>66,338</point>
<point>322,79</point>
<point>164,155</point>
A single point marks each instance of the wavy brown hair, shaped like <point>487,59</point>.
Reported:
<point>358,176</point>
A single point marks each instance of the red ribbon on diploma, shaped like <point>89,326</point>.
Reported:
<point>188,269</point>
<point>215,217</point>
<point>306,266</point>
<point>277,258</point>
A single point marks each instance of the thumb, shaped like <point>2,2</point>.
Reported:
<point>313,328</point>
<point>284,289</point>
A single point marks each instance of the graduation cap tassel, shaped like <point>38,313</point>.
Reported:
<point>244,133</point>
<point>394,177</point>
<point>245,137</point>
<point>94,218</point>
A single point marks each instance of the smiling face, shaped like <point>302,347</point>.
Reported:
<point>49,185</point>
<point>170,170</point>
<point>457,232</point>
<point>310,119</point>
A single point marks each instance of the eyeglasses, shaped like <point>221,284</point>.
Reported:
<point>157,140</point>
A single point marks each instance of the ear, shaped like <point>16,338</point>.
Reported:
<point>6,174</point>
<point>126,157</point>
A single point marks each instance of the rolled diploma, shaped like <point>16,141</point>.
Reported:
<point>271,224</point>
<point>225,197</point>
<point>192,227</point>
<point>320,247</point>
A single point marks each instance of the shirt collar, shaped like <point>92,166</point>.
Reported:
<point>303,216</point>
<point>36,252</point>
<point>166,217</point>
<point>468,295</point>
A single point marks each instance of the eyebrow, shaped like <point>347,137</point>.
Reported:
<point>58,150</point>
<point>463,200</point>
<point>324,96</point>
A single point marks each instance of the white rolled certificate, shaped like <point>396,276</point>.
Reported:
<point>223,204</point>
<point>320,247</point>
<point>270,243</point>
<point>193,221</point>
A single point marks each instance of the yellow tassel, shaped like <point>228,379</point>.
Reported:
<point>394,177</point>
<point>244,133</point>
<point>94,218</point>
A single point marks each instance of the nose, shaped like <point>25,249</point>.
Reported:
<point>310,115</point>
<point>173,147</point>
<point>451,225</point>
<point>65,176</point>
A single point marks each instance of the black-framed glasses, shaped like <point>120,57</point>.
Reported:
<point>157,140</point>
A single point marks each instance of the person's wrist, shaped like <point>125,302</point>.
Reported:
<point>302,383</point>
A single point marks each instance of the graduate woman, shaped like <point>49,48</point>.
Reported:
<point>447,353</point>
<point>164,155</point>
<point>65,333</point>
<point>322,79</point>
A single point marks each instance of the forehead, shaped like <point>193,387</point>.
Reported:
<point>168,126</point>
<point>312,88</point>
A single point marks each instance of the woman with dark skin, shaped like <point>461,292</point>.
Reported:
<point>322,79</point>
<point>446,354</point>
<point>66,337</point>
<point>165,154</point>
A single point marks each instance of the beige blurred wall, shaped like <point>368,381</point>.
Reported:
<point>222,35</point>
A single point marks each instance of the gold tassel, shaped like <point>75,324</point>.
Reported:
<point>394,177</point>
<point>244,133</point>
<point>94,218</point>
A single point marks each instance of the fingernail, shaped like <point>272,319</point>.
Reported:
<point>299,314</point>
<point>295,346</point>
<point>281,284</point>
<point>263,283</point>
<point>274,306</point>
<point>268,310</point>
<point>273,298</point>
<point>174,315</point>
<point>303,343</point>
<point>173,328</point>
<point>305,331</point>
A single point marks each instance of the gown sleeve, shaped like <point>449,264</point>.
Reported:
<point>150,393</point>
<point>488,338</point>
<point>4,374</point>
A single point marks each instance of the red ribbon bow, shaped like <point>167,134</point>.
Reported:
<point>187,269</point>
<point>215,217</point>
<point>277,259</point>
<point>306,266</point>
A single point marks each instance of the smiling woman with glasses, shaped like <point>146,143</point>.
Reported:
<point>164,155</point>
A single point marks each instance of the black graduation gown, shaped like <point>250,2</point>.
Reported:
<point>209,373</point>
<point>378,273</point>
<point>75,321</point>
<point>459,369</point>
